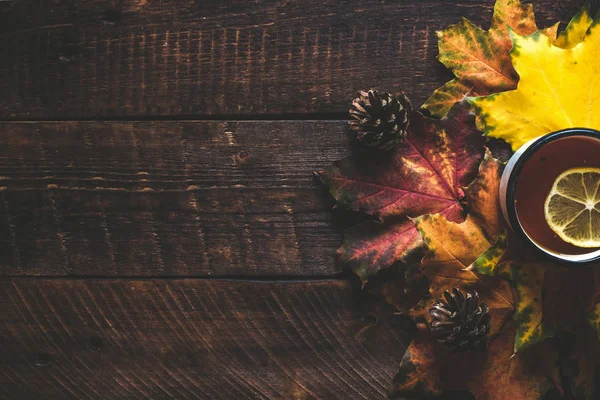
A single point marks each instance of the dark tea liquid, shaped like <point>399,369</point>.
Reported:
<point>536,180</point>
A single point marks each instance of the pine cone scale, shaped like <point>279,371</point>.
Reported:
<point>460,322</point>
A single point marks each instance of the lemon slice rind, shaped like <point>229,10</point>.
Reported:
<point>572,208</point>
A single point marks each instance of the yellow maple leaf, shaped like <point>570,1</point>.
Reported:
<point>558,88</point>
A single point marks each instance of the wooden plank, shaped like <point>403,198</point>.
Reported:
<point>88,59</point>
<point>194,339</point>
<point>167,198</point>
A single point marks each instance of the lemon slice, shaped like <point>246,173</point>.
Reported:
<point>572,208</point>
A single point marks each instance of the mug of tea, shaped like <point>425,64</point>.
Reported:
<point>550,194</point>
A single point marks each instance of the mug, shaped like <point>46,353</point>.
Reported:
<point>528,177</point>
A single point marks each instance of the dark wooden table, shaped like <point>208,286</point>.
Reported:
<point>161,234</point>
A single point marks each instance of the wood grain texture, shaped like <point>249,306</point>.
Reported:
<point>95,58</point>
<point>194,339</point>
<point>167,198</point>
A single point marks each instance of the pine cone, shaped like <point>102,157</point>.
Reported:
<point>460,322</point>
<point>380,120</point>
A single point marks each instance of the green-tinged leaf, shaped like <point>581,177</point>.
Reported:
<point>444,97</point>
<point>576,30</point>
<point>428,369</point>
<point>529,279</point>
<point>371,246</point>
<point>487,262</point>
<point>479,59</point>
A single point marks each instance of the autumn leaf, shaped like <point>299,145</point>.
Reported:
<point>483,197</point>
<point>425,175</point>
<point>445,96</point>
<point>558,89</point>
<point>480,59</point>
<point>493,374</point>
<point>450,243</point>
<point>371,246</point>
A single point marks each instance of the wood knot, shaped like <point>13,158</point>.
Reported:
<point>44,359</point>
<point>96,343</point>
